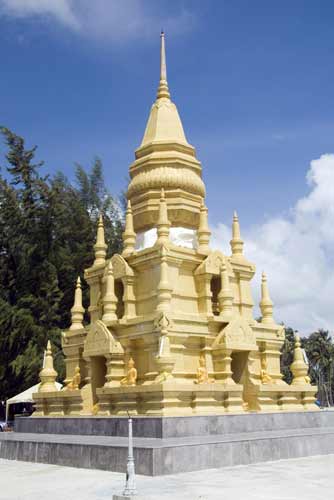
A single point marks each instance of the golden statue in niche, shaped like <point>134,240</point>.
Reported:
<point>131,376</point>
<point>265,377</point>
<point>75,382</point>
<point>202,372</point>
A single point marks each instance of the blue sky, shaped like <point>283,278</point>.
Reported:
<point>253,82</point>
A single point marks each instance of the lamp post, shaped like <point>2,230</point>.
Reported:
<point>130,485</point>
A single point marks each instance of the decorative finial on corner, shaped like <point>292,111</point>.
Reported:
<point>129,236</point>
<point>203,232</point>
<point>299,367</point>
<point>109,300</point>
<point>48,374</point>
<point>236,241</point>
<point>100,246</point>
<point>77,311</point>
<point>266,304</point>
<point>225,296</point>
<point>163,90</point>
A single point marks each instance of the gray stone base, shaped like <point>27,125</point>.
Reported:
<point>172,444</point>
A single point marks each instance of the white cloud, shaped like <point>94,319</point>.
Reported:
<point>61,10</point>
<point>102,20</point>
<point>297,253</point>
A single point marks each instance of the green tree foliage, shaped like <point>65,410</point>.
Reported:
<point>47,233</point>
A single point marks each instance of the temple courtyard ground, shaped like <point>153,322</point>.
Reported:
<point>296,479</point>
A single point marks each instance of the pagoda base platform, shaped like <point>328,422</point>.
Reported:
<point>168,445</point>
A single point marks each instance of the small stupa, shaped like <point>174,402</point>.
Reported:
<point>172,328</point>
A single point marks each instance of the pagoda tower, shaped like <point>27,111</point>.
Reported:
<point>172,329</point>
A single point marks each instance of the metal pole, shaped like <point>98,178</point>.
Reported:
<point>130,485</point>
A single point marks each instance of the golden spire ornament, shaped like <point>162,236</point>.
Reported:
<point>100,246</point>
<point>236,241</point>
<point>129,236</point>
<point>225,296</point>
<point>109,300</point>
<point>163,90</point>
<point>203,232</point>
<point>266,304</point>
<point>77,311</point>
<point>48,374</point>
<point>299,367</point>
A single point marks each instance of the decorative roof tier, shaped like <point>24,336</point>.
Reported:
<point>165,160</point>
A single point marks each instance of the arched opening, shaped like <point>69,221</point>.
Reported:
<point>215,286</point>
<point>98,374</point>
<point>119,292</point>
<point>239,366</point>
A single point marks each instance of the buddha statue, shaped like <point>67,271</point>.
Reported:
<point>131,376</point>
<point>202,373</point>
<point>265,377</point>
<point>95,409</point>
<point>75,382</point>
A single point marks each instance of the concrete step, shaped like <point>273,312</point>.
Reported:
<point>156,456</point>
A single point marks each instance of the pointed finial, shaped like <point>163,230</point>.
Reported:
<point>163,224</point>
<point>236,241</point>
<point>299,367</point>
<point>129,236</point>
<point>100,246</point>
<point>109,299</point>
<point>203,232</point>
<point>266,304</point>
<point>77,311</point>
<point>163,90</point>
<point>225,296</point>
<point>48,374</point>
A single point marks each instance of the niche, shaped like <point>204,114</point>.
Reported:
<point>98,374</point>
<point>215,287</point>
<point>119,292</point>
<point>239,366</point>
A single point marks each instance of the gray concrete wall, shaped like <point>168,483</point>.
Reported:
<point>167,427</point>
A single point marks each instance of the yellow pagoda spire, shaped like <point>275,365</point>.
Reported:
<point>236,241</point>
<point>163,223</point>
<point>266,304</point>
<point>77,311</point>
<point>100,246</point>
<point>48,374</point>
<point>163,90</point>
<point>165,159</point>
<point>129,236</point>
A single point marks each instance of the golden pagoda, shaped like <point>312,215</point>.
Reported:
<point>172,329</point>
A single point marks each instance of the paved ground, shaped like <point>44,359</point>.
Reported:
<point>298,479</point>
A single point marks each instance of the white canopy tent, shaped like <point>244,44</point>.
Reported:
<point>25,397</point>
